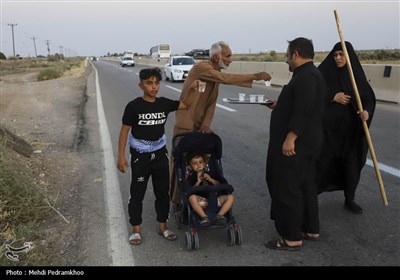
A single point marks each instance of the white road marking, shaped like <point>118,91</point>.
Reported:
<point>388,169</point>
<point>218,105</point>
<point>118,246</point>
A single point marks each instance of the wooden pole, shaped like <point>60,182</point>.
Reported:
<point>360,108</point>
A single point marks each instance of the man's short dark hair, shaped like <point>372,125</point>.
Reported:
<point>147,73</point>
<point>303,46</point>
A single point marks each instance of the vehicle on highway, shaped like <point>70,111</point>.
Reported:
<point>160,51</point>
<point>127,61</point>
<point>178,67</point>
<point>199,53</point>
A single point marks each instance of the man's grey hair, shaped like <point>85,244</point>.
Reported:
<point>217,47</point>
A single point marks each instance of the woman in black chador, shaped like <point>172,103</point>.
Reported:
<point>345,147</point>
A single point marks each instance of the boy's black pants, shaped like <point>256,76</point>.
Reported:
<point>143,165</point>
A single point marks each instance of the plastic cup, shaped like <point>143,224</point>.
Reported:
<point>253,98</point>
<point>260,98</point>
<point>268,83</point>
<point>202,86</point>
<point>242,96</point>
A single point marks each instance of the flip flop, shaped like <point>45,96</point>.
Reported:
<point>281,245</point>
<point>135,238</point>
<point>168,234</point>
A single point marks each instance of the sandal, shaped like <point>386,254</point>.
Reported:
<point>220,220</point>
<point>204,221</point>
<point>168,234</point>
<point>281,245</point>
<point>135,238</point>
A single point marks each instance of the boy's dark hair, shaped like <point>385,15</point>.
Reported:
<point>303,46</point>
<point>191,155</point>
<point>144,74</point>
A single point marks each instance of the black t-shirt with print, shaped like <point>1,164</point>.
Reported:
<point>147,119</point>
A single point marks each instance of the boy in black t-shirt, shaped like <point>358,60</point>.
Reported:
<point>145,117</point>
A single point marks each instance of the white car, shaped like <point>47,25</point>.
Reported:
<point>178,67</point>
<point>127,61</point>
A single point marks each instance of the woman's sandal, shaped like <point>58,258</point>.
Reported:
<point>281,245</point>
<point>204,222</point>
<point>135,238</point>
<point>168,234</point>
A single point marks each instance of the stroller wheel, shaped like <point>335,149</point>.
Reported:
<point>238,233</point>
<point>188,239</point>
<point>196,241</point>
<point>231,236</point>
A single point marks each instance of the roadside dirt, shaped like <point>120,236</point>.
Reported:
<point>46,114</point>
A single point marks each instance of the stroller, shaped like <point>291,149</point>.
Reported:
<point>210,145</point>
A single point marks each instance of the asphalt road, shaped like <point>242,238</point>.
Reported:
<point>346,239</point>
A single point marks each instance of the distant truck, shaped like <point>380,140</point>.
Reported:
<point>199,53</point>
<point>127,59</point>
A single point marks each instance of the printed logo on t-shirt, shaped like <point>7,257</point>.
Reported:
<point>152,118</point>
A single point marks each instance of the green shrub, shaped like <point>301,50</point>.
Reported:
<point>22,206</point>
<point>49,74</point>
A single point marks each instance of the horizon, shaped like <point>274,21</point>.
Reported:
<point>95,28</point>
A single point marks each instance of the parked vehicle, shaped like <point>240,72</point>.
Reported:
<point>178,67</point>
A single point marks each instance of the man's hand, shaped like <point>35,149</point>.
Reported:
<point>262,76</point>
<point>288,147</point>
<point>270,104</point>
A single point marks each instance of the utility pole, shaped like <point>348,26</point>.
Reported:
<point>61,53</point>
<point>48,47</point>
<point>12,30</point>
<point>34,44</point>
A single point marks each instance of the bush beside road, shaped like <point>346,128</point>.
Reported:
<point>38,190</point>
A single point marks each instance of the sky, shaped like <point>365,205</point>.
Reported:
<point>95,28</point>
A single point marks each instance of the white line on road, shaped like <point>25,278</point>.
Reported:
<point>218,105</point>
<point>388,169</point>
<point>118,247</point>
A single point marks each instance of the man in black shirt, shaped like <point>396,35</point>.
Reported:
<point>295,141</point>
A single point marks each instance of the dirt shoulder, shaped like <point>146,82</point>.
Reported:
<point>47,115</point>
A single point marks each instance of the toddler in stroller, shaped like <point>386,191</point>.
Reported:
<point>207,197</point>
<point>197,175</point>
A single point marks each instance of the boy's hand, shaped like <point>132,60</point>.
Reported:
<point>206,177</point>
<point>199,177</point>
<point>122,164</point>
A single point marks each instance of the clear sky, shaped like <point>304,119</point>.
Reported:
<point>98,27</point>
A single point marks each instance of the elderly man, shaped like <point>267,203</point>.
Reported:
<point>201,112</point>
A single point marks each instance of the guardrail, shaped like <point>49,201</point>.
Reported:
<point>384,79</point>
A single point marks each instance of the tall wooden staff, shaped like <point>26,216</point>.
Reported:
<point>360,108</point>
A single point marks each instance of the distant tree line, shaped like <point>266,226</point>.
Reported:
<point>379,55</point>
